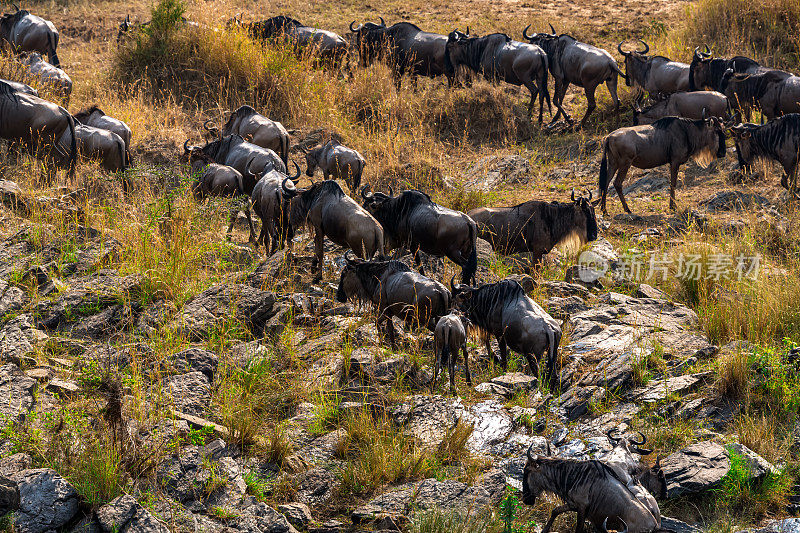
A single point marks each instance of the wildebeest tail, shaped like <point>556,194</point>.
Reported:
<point>445,355</point>
<point>52,44</point>
<point>544,92</point>
<point>554,339</point>
<point>285,150</point>
<point>602,184</point>
<point>73,156</point>
<point>469,270</point>
<point>123,154</point>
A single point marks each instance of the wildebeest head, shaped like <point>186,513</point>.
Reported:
<point>584,204</point>
<point>654,480</point>
<point>374,201</point>
<point>351,285</point>
<point>370,38</point>
<point>534,479</point>
<point>700,69</point>
<point>212,129</point>
<point>636,64</point>
<point>742,137</point>
<point>456,51</point>
<point>312,159</point>
<point>546,41</point>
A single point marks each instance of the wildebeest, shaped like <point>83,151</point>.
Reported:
<point>256,129</point>
<point>774,92</point>
<point>589,488</point>
<point>778,139</point>
<point>325,44</point>
<point>126,27</point>
<point>670,140</point>
<point>337,161</point>
<point>499,58</point>
<point>94,116</point>
<point>405,47</point>
<point>706,71</point>
<point>214,180</point>
<point>574,62</point>
<point>335,215</point>
<point>28,33</point>
<point>272,206</point>
<point>656,75</point>
<point>450,338</point>
<point>101,145</point>
<point>412,221</point>
<point>245,157</point>
<point>651,478</point>
<point>395,290</point>
<point>536,227</point>
<point>47,74</point>
<point>38,124</point>
<point>504,310</point>
<point>688,105</point>
<point>20,87</point>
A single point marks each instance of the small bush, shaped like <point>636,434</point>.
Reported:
<point>741,493</point>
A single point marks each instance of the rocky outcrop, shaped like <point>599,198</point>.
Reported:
<point>47,501</point>
<point>695,469</point>
<point>126,515</point>
<point>17,391</point>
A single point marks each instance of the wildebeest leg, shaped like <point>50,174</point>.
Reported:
<point>673,182</point>
<point>250,223</point>
<point>501,343</point>
<point>489,352</point>
<point>534,366</point>
<point>560,90</point>
<point>418,261</point>
<point>437,354</point>
<point>451,368</point>
<point>467,375</point>
<point>318,242</point>
<point>390,330</point>
<point>591,104</point>
<point>611,83</point>
<point>561,509</point>
<point>579,522</point>
<point>621,175</point>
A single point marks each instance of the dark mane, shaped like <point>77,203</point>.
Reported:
<point>572,472</point>
<point>9,91</point>
<point>245,110</point>
<point>399,24</point>
<point>667,122</point>
<point>488,298</point>
<point>80,116</point>
<point>395,212</point>
<point>766,138</point>
<point>370,273</point>
<point>303,202</point>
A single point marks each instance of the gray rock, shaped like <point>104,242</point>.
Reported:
<point>11,298</point>
<point>516,382</point>
<point>153,316</point>
<point>261,518</point>
<point>19,340</point>
<point>47,501</point>
<point>657,390</point>
<point>493,170</point>
<point>564,307</point>
<point>317,486</point>
<point>759,467</point>
<point>695,469</point>
<point>16,393</point>
<point>12,196</point>
<point>197,360</point>
<point>677,526</point>
<point>108,322</point>
<point>183,477</point>
<point>298,514</point>
<point>125,515</point>
<point>734,201</point>
<point>788,525</point>
<point>212,307</point>
<point>9,496</point>
<point>14,463</point>
<point>191,393</point>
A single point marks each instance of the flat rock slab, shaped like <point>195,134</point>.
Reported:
<point>658,390</point>
<point>759,467</point>
<point>789,525</point>
<point>695,469</point>
<point>47,501</point>
<point>19,339</point>
<point>12,298</point>
<point>126,515</point>
<point>16,392</point>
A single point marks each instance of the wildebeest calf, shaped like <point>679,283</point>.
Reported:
<point>670,140</point>
<point>450,337</point>
<point>395,290</point>
<point>272,207</point>
<point>102,145</point>
<point>337,161</point>
<point>684,104</point>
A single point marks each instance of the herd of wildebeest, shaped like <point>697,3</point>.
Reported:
<point>692,108</point>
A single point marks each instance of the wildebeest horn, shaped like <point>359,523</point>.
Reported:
<point>347,257</point>
<point>290,193</point>
<point>296,176</point>
<point>383,22</point>
<point>453,283</point>
<point>708,50</point>
<point>355,29</point>
<point>525,33</point>
<point>212,129</point>
<point>573,194</point>
<point>620,50</point>
<point>186,147</point>
<point>646,47</point>
<point>590,196</point>
<point>705,113</point>
<point>642,440</point>
<point>610,434</point>
<point>15,5</point>
<point>697,52</point>
<point>530,449</point>
<point>549,451</point>
<point>552,29</point>
<point>128,18</point>
<point>365,194</point>
<point>467,31</point>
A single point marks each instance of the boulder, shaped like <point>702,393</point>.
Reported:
<point>47,501</point>
<point>219,304</point>
<point>734,201</point>
<point>788,525</point>
<point>658,390</point>
<point>298,514</point>
<point>261,518</point>
<point>191,392</point>
<point>125,515</point>
<point>196,360</point>
<point>695,469</point>
<point>9,496</point>
<point>515,382</point>
<point>19,340</point>
<point>12,298</point>
<point>758,466</point>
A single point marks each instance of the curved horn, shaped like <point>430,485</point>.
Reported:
<point>211,129</point>
<point>552,29</point>
<point>573,194</point>
<point>697,52</point>
<point>355,29</point>
<point>530,449</point>
<point>646,47</point>
<point>15,5</point>
<point>708,50</point>
<point>365,194</point>
<point>128,18</point>
<point>640,442</point>
<point>391,191</point>
<point>186,146</point>
<point>296,176</point>
<point>467,31</point>
<point>383,22</point>
<point>289,193</point>
<point>525,33</point>
<point>620,50</point>
<point>590,196</point>
<point>453,287</point>
<point>610,434</point>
